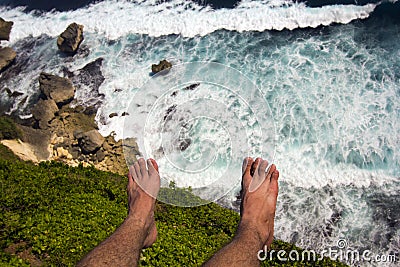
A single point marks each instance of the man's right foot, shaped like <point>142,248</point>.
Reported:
<point>143,187</point>
<point>258,207</point>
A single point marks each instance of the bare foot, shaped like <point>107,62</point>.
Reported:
<point>257,210</point>
<point>143,187</point>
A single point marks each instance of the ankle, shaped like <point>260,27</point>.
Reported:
<point>136,221</point>
<point>252,233</point>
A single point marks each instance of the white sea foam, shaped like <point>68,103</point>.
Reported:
<point>115,18</point>
<point>334,213</point>
<point>333,102</point>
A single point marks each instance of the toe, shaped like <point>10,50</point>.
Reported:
<point>152,165</point>
<point>138,172</point>
<point>274,181</point>
<point>258,174</point>
<point>142,165</point>
<point>247,165</point>
<point>130,179</point>
<point>254,166</point>
<point>262,167</point>
<point>246,169</point>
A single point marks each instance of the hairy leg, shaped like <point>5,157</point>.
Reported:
<point>257,212</point>
<point>258,207</point>
<point>138,230</point>
<point>142,190</point>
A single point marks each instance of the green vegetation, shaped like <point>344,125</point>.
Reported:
<point>7,154</point>
<point>52,215</point>
<point>179,196</point>
<point>8,130</point>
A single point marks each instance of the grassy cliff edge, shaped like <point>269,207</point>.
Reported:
<point>52,214</point>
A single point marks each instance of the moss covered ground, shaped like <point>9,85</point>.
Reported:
<point>52,214</point>
<point>8,130</point>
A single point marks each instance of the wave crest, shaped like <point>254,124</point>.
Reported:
<point>118,18</point>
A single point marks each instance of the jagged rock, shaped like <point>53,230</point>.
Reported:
<point>109,161</point>
<point>7,56</point>
<point>56,140</point>
<point>90,110</point>
<point>184,144</point>
<point>170,111</point>
<point>69,41</point>
<point>87,110</point>
<point>78,134</point>
<point>125,114</point>
<point>92,157</point>
<point>5,29</point>
<point>91,141</point>
<point>19,67</point>
<point>75,152</point>
<point>81,53</point>
<point>67,73</point>
<point>88,79</point>
<point>192,86</point>
<point>163,65</point>
<point>12,94</point>
<point>44,111</point>
<point>64,115</point>
<point>112,115</point>
<point>107,146</point>
<point>100,155</point>
<point>57,88</point>
<point>63,153</point>
<point>91,73</point>
<point>118,151</point>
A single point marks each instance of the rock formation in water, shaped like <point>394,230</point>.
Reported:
<point>164,65</point>
<point>191,87</point>
<point>89,141</point>
<point>43,112</point>
<point>69,41</point>
<point>7,56</point>
<point>56,88</point>
<point>89,78</point>
<point>57,130</point>
<point>5,29</point>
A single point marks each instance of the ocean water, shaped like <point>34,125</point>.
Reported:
<point>313,88</point>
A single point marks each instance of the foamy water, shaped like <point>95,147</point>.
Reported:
<point>115,19</point>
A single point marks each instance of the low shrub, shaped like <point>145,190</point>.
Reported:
<point>52,214</point>
<point>8,129</point>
